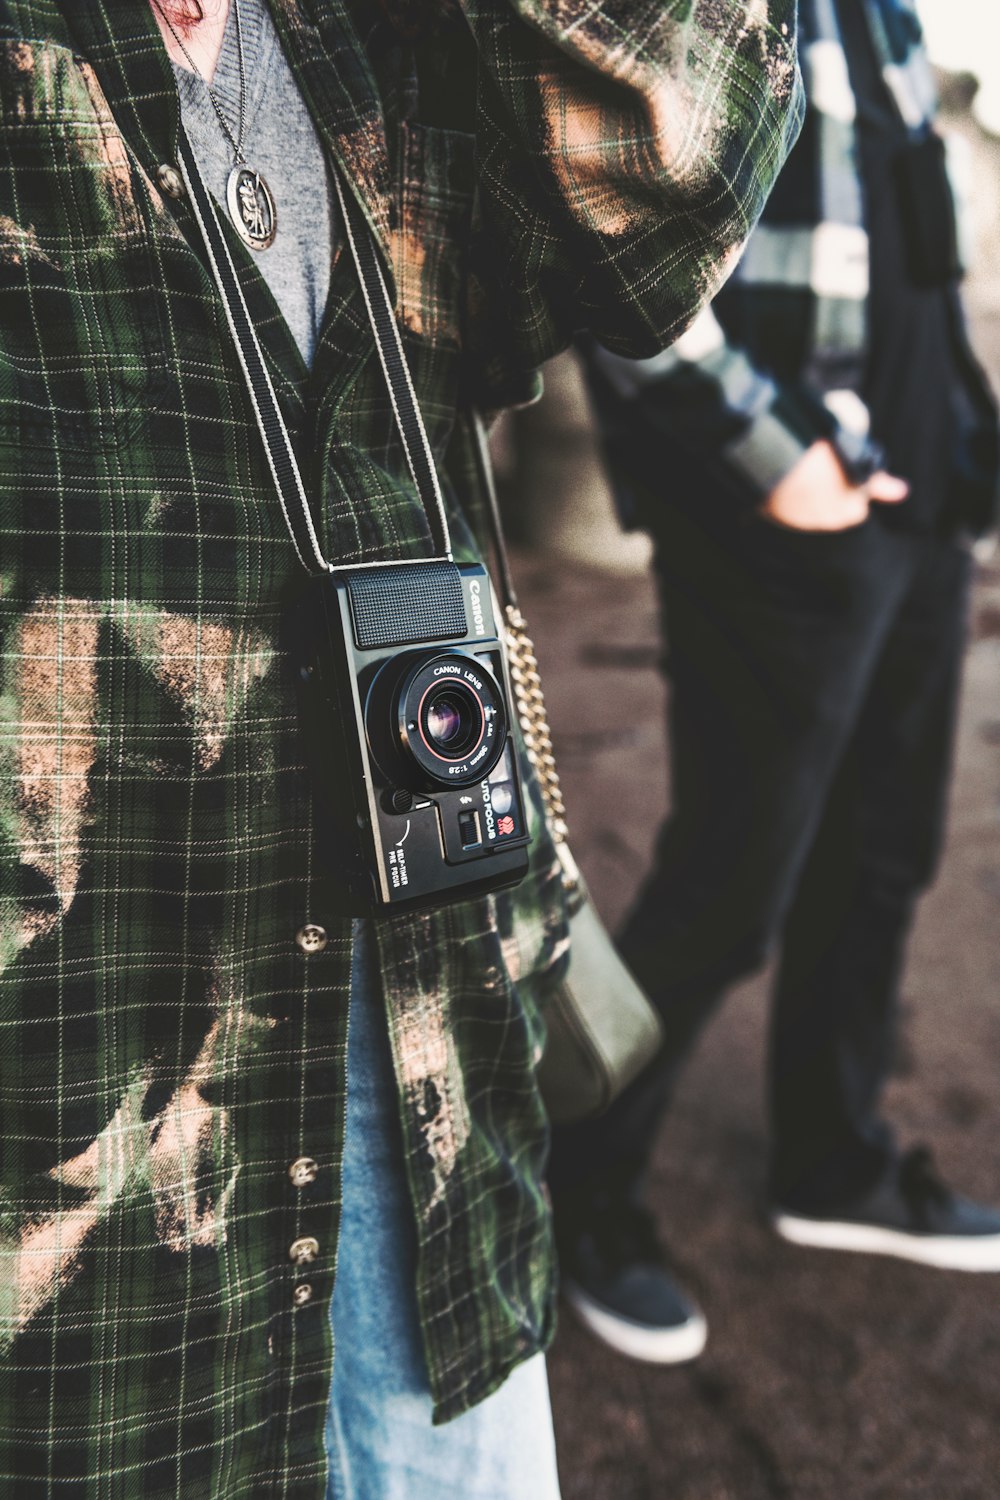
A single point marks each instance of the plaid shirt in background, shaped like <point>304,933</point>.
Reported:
<point>172,1060</point>
<point>778,361</point>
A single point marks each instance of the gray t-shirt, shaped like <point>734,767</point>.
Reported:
<point>280,141</point>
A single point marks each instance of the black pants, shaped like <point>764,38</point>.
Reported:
<point>811,720</point>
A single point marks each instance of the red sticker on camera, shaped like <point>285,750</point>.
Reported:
<point>505,825</point>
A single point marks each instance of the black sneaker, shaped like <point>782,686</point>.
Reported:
<point>614,1277</point>
<point>912,1215</point>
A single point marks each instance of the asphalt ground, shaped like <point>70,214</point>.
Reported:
<point>826,1377</point>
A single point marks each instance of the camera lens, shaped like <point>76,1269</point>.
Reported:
<point>452,720</point>
<point>449,718</point>
<point>447,724</point>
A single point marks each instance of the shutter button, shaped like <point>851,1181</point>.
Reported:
<point>170,181</point>
<point>303,1171</point>
<point>303,1251</point>
<point>312,939</point>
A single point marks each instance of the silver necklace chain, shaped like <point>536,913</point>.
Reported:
<point>248,197</point>
<point>236,141</point>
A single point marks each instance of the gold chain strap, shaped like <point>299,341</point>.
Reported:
<point>537,735</point>
<point>527,684</point>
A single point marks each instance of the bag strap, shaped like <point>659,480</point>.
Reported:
<point>381,316</point>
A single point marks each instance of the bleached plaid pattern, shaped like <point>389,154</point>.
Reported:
<point>167,1049</point>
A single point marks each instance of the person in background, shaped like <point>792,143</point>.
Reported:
<point>238,1129</point>
<point>811,459</point>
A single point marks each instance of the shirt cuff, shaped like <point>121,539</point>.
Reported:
<point>765,453</point>
<point>777,438</point>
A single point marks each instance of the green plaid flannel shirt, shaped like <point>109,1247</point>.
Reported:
<point>167,1049</point>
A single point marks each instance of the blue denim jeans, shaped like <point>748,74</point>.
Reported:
<point>380,1440</point>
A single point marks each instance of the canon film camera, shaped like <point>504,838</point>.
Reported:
<point>406,706</point>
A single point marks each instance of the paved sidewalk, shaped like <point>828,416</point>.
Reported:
<point>826,1378</point>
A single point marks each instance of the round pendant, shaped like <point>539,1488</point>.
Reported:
<point>251,207</point>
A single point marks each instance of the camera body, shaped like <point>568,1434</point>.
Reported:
<point>406,706</point>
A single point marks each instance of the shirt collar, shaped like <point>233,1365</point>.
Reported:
<point>336,77</point>
<point>122,42</point>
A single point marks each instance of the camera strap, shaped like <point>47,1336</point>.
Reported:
<point>277,443</point>
<point>524,675</point>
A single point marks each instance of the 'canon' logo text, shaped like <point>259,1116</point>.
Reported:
<point>477,606</point>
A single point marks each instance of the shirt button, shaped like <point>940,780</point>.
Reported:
<point>303,1171</point>
<point>302,1294</point>
<point>312,939</point>
<point>303,1251</point>
<point>170,180</point>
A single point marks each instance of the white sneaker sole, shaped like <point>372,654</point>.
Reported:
<point>653,1346</point>
<point>946,1252</point>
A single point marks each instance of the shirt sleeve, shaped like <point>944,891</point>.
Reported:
<point>705,396</point>
<point>625,149</point>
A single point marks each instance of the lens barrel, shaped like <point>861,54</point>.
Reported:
<point>442,719</point>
